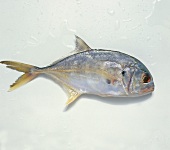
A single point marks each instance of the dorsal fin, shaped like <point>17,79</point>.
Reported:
<point>80,44</point>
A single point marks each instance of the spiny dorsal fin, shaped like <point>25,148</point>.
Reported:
<point>81,45</point>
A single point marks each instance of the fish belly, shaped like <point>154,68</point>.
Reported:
<point>92,83</point>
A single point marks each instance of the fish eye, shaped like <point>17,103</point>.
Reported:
<point>146,78</point>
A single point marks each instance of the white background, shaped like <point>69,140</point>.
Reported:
<point>39,32</point>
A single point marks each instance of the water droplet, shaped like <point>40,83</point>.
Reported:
<point>34,38</point>
<point>135,27</point>
<point>51,34</point>
<point>3,139</point>
<point>150,60</point>
<point>117,25</point>
<point>153,64</point>
<point>78,1</point>
<point>111,12</point>
<point>127,20</point>
<point>100,37</point>
<point>150,56</point>
<point>27,147</point>
<point>68,28</point>
<point>123,38</point>
<point>33,41</point>
<point>119,4</point>
<point>148,38</point>
<point>18,52</point>
<point>70,46</point>
<point>66,32</point>
<point>151,13</point>
<point>42,134</point>
<point>21,117</point>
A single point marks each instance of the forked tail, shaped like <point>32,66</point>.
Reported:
<point>29,73</point>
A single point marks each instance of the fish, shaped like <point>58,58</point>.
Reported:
<point>106,73</point>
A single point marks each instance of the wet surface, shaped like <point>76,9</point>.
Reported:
<point>40,32</point>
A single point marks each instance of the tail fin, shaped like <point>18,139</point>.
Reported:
<point>29,73</point>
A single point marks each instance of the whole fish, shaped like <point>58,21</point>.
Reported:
<point>91,71</point>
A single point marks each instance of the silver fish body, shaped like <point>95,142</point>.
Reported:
<point>102,72</point>
<point>92,71</point>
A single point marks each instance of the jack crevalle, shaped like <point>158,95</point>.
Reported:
<point>100,72</point>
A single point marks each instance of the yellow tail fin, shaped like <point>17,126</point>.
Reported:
<point>29,73</point>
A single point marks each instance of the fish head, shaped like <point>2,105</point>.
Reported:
<point>137,80</point>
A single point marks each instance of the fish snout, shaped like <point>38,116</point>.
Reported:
<point>149,88</point>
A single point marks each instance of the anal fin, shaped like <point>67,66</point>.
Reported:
<point>73,94</point>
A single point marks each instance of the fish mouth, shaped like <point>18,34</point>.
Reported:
<point>148,89</point>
